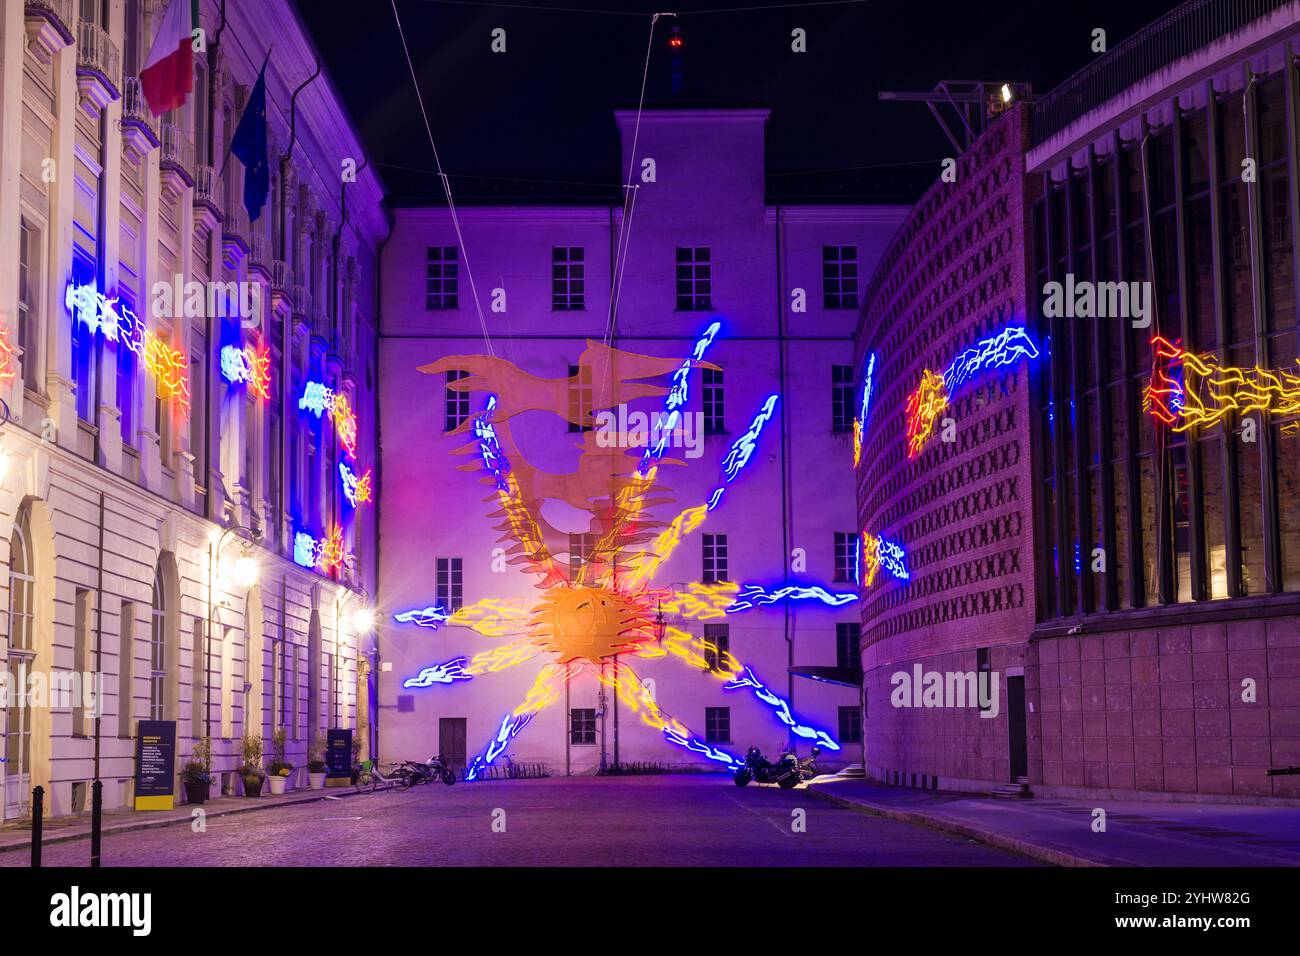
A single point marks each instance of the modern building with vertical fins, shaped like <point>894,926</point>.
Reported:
<point>1111,526</point>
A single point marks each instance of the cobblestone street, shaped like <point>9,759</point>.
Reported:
<point>643,821</point>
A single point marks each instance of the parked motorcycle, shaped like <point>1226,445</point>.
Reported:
<point>786,772</point>
<point>437,769</point>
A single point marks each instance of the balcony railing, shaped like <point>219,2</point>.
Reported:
<point>138,127</point>
<point>207,188</point>
<point>301,296</point>
<point>177,152</point>
<point>236,225</point>
<point>1175,35</point>
<point>97,57</point>
<point>280,278</point>
<point>259,253</point>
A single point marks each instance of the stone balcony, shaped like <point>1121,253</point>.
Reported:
<point>176,163</point>
<point>99,70</point>
<point>208,207</point>
<point>49,25</point>
<point>139,132</point>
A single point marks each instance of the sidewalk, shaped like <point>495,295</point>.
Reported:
<point>17,835</point>
<point>1059,831</point>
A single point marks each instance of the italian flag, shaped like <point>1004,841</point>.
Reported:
<point>168,74</point>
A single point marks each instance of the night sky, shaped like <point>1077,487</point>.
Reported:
<point>537,120</point>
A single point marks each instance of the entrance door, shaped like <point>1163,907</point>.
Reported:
<point>1016,727</point>
<point>451,740</point>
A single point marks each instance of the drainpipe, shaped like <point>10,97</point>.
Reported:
<point>785,466</point>
<point>99,630</point>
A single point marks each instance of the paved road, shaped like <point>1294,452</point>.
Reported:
<point>640,821</point>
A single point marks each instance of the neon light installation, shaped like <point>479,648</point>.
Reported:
<point>249,365</point>
<point>356,490</point>
<point>320,399</point>
<point>879,552</point>
<point>753,595</point>
<point>860,423</point>
<point>782,708</point>
<point>327,554</point>
<point>119,324</point>
<point>1189,389</point>
<point>7,356</point>
<point>587,623</point>
<point>935,392</point>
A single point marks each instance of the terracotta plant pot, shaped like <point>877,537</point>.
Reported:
<point>278,784</point>
<point>316,780</point>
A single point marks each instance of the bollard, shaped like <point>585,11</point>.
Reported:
<point>38,814</point>
<point>96,815</point>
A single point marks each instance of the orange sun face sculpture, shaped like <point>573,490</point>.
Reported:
<point>588,623</point>
<point>598,607</point>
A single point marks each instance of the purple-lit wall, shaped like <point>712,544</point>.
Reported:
<point>708,191</point>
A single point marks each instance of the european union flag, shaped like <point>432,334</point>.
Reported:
<point>249,145</point>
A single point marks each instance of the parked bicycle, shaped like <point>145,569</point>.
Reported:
<point>403,775</point>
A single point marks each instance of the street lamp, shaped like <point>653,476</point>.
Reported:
<point>363,620</point>
<point>245,576</point>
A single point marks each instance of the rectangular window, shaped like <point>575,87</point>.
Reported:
<point>199,681</point>
<point>568,279</point>
<point>82,613</point>
<point>29,245</point>
<point>694,279</point>
<point>227,678</point>
<point>840,277</point>
<point>846,556</point>
<point>714,409</point>
<point>580,548</point>
<point>580,398</point>
<point>157,659</point>
<point>717,639</point>
<point>84,346</point>
<point>715,558</point>
<point>455,404</point>
<point>850,725</point>
<point>582,725</point>
<point>295,712</point>
<point>848,645</point>
<point>451,586</point>
<point>842,410</point>
<point>717,725</point>
<point>126,366</point>
<point>126,670</point>
<point>440,278</point>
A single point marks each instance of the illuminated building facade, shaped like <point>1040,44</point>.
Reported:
<point>149,410</point>
<point>707,242</point>
<point>1115,529</point>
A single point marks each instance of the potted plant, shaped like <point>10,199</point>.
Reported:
<point>251,769</point>
<point>316,766</point>
<point>280,767</point>
<point>196,774</point>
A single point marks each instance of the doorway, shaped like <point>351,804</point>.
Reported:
<point>1016,728</point>
<point>451,741</point>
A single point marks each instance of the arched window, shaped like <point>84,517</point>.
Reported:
<point>22,602</point>
<point>158,662</point>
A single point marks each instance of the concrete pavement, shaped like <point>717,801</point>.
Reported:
<point>1061,831</point>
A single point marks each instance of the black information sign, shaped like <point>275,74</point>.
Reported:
<point>338,754</point>
<point>155,764</point>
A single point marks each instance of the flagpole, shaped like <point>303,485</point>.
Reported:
<point>260,73</point>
